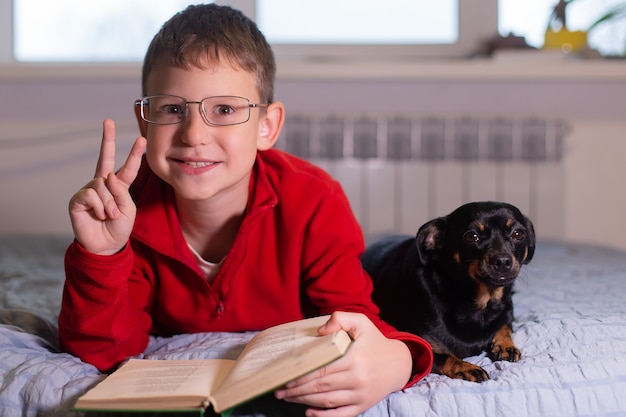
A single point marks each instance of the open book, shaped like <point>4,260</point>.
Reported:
<point>272,358</point>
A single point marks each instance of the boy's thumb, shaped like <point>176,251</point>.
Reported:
<point>339,320</point>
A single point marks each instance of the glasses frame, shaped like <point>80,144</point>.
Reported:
<point>141,103</point>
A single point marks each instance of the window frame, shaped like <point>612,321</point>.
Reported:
<point>6,32</point>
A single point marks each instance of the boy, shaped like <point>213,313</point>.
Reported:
<point>212,230</point>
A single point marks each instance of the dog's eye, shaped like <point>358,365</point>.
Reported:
<point>518,235</point>
<point>471,237</point>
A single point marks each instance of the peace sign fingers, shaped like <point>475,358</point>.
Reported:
<point>103,213</point>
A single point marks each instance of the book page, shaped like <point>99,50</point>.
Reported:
<point>276,356</point>
<point>269,345</point>
<point>142,384</point>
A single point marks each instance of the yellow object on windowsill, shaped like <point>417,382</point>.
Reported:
<point>565,40</point>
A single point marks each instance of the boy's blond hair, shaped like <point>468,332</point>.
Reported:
<point>204,35</point>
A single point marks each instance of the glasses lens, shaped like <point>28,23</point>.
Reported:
<point>226,110</point>
<point>164,109</point>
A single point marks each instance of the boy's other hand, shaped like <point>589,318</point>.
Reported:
<point>102,212</point>
<point>374,367</point>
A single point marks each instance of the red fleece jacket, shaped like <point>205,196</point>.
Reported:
<point>297,254</point>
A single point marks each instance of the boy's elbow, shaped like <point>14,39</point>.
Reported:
<point>104,355</point>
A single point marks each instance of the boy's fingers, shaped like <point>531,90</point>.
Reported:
<point>106,159</point>
<point>87,199</point>
<point>101,192</point>
<point>128,171</point>
<point>116,199</point>
<point>350,322</point>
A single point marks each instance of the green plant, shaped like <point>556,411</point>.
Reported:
<point>617,12</point>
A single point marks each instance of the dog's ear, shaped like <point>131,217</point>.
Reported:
<point>429,239</point>
<point>531,240</point>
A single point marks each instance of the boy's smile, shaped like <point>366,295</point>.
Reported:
<point>195,167</point>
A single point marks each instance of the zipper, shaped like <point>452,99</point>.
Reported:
<point>219,310</point>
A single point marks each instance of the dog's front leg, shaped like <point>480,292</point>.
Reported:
<point>502,346</point>
<point>454,367</point>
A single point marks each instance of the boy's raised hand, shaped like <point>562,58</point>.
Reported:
<point>102,212</point>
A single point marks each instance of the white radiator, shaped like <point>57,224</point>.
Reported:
<point>400,172</point>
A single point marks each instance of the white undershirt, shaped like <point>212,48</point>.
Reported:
<point>209,269</point>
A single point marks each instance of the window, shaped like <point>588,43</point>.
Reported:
<point>405,22</point>
<point>120,30</point>
<point>94,30</point>
<point>358,28</point>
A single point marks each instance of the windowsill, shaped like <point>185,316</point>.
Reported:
<point>509,68</point>
<point>512,68</point>
<point>77,71</point>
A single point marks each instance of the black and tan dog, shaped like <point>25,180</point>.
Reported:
<point>452,283</point>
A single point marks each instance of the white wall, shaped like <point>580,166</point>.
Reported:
<point>595,191</point>
<point>50,122</point>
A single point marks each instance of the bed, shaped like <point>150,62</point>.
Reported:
<point>570,325</point>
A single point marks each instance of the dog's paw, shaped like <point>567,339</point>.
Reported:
<point>505,352</point>
<point>454,367</point>
<point>502,347</point>
<point>472,373</point>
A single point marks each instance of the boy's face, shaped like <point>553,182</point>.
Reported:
<point>198,160</point>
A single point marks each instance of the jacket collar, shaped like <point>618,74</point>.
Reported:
<point>157,223</point>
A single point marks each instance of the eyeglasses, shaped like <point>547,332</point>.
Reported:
<point>217,111</point>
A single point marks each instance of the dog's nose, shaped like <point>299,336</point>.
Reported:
<point>502,263</point>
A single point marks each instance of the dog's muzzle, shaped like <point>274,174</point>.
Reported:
<point>499,269</point>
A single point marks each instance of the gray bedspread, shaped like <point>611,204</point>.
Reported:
<point>570,325</point>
